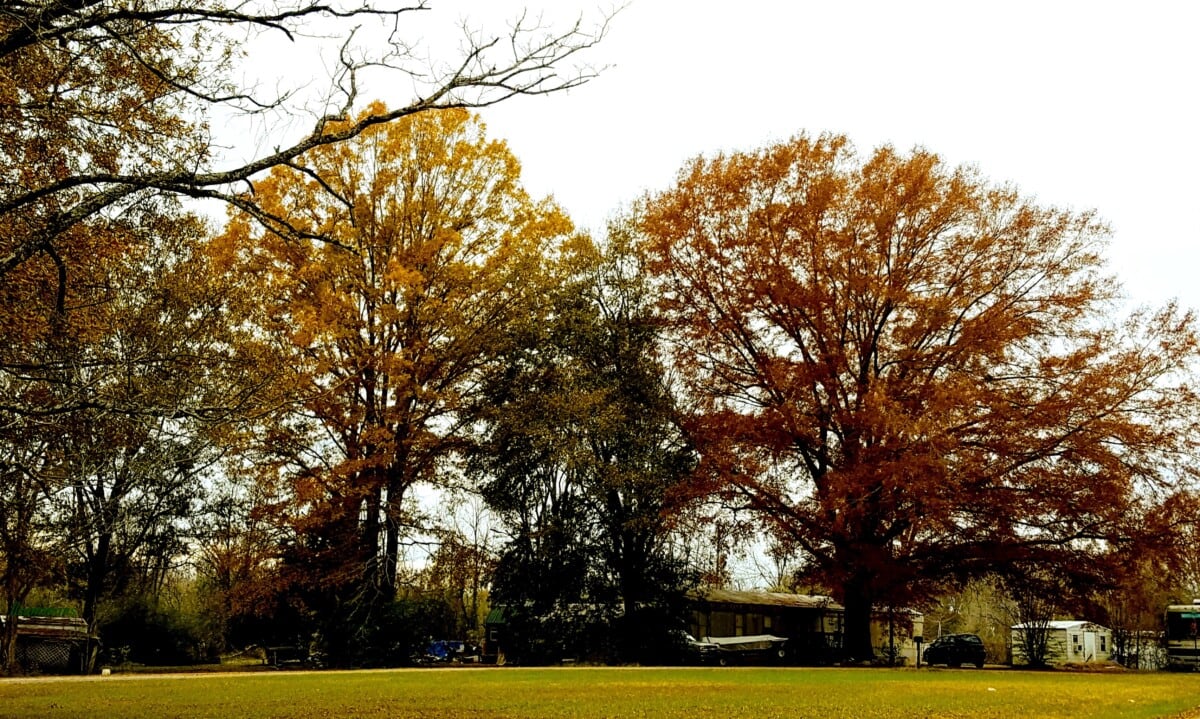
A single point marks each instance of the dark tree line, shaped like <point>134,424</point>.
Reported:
<point>583,460</point>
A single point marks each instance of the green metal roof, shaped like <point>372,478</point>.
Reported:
<point>46,612</point>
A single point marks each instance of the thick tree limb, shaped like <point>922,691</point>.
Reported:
<point>491,70</point>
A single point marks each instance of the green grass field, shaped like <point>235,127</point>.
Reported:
<point>608,692</point>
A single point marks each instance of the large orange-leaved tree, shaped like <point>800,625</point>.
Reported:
<point>409,252</point>
<point>914,375</point>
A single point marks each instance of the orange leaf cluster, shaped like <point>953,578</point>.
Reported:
<point>409,253</point>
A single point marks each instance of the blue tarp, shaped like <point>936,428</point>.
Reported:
<point>444,649</point>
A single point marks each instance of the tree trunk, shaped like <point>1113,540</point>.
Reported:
<point>369,544</point>
<point>391,544</point>
<point>8,642</point>
<point>16,591</point>
<point>96,575</point>
<point>857,628</point>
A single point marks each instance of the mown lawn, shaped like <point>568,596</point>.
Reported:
<point>604,692</point>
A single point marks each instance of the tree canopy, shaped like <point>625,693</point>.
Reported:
<point>121,358</point>
<point>910,376</point>
<point>913,374</point>
<point>427,252</point>
<point>580,457</point>
<point>114,393</point>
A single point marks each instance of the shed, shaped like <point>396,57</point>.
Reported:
<point>893,633</point>
<point>50,639</point>
<point>1068,641</point>
<point>492,646</point>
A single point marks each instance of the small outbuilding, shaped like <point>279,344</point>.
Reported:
<point>1068,641</point>
<point>50,639</point>
<point>894,632</point>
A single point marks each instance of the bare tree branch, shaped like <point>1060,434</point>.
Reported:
<point>124,155</point>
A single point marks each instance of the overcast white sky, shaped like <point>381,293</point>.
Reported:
<point>1080,104</point>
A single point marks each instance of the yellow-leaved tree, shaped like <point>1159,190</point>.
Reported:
<point>408,253</point>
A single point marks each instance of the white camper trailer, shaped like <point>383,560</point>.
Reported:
<point>1071,641</point>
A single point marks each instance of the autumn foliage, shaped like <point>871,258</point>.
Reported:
<point>410,251</point>
<point>912,374</point>
<point>127,356</point>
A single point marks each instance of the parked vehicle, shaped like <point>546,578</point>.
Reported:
<point>1182,638</point>
<point>749,649</point>
<point>954,650</point>
<point>694,651</point>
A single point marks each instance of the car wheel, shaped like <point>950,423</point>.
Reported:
<point>979,665</point>
<point>723,661</point>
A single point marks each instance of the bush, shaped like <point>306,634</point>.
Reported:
<point>395,634</point>
<point>142,633</point>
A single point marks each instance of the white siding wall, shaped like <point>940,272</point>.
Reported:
<point>1086,643</point>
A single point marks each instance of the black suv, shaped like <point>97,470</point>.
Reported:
<point>955,650</point>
